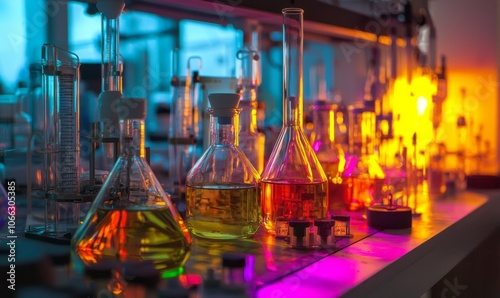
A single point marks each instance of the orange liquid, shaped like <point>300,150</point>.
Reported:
<point>358,193</point>
<point>290,201</point>
<point>335,188</point>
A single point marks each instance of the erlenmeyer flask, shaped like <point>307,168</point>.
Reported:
<point>132,218</point>
<point>294,185</point>
<point>223,196</point>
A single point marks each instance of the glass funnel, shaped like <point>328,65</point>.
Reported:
<point>132,218</point>
<point>294,185</point>
<point>223,195</point>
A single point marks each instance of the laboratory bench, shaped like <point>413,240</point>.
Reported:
<point>371,263</point>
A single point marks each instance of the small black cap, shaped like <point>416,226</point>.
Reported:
<point>233,260</point>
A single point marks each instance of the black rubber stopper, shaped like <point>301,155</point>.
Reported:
<point>299,227</point>
<point>382,217</point>
<point>324,227</point>
<point>234,260</point>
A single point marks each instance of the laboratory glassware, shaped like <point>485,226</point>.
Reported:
<point>22,121</point>
<point>35,107</point>
<point>330,154</point>
<point>363,178</point>
<point>294,185</point>
<point>111,76</point>
<point>252,142</point>
<point>223,195</point>
<point>132,218</point>
<point>436,162</point>
<point>182,132</point>
<point>55,200</point>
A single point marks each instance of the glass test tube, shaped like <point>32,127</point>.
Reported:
<point>252,142</point>
<point>182,142</point>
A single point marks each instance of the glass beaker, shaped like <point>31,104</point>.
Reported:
<point>132,218</point>
<point>294,185</point>
<point>223,195</point>
<point>363,177</point>
<point>329,152</point>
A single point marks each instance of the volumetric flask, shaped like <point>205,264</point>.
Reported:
<point>294,185</point>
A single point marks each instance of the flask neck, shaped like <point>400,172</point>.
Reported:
<point>132,138</point>
<point>223,130</point>
<point>293,67</point>
<point>248,116</point>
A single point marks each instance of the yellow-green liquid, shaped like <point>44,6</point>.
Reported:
<point>223,211</point>
<point>135,235</point>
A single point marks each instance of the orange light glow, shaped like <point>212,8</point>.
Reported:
<point>38,176</point>
<point>331,130</point>
<point>142,152</point>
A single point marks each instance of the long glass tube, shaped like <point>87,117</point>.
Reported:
<point>111,72</point>
<point>293,61</point>
<point>252,142</point>
<point>182,142</point>
<point>111,60</point>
